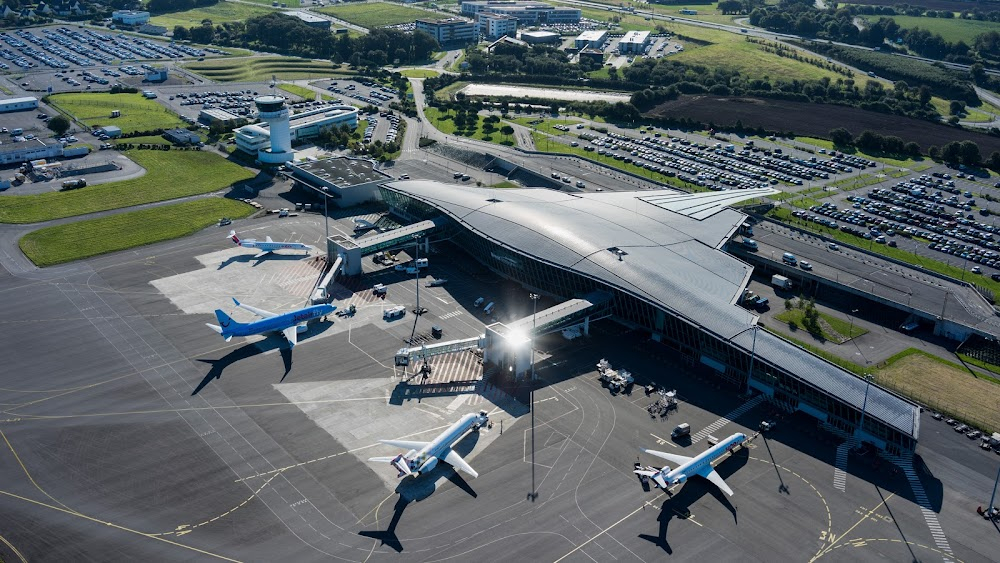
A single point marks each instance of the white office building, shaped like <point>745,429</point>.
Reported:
<point>592,39</point>
<point>253,139</point>
<point>634,42</point>
<point>130,17</point>
<point>494,26</point>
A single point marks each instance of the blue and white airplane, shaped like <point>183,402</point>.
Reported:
<point>424,456</point>
<point>698,465</point>
<point>267,246</point>
<point>288,324</point>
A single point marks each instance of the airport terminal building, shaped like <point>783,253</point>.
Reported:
<point>659,255</point>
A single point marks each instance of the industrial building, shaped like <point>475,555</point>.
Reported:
<point>527,13</point>
<point>634,42</point>
<point>494,26</point>
<point>109,131</point>
<point>130,17</point>
<point>217,115</point>
<point>595,55</point>
<point>34,149</point>
<point>540,37</point>
<point>312,20</point>
<point>256,139</point>
<point>449,31</point>
<point>157,75</point>
<point>656,261</point>
<point>347,181</point>
<point>181,137</point>
<point>18,104</point>
<point>592,39</point>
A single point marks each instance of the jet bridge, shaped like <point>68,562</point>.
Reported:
<point>508,346</point>
<point>405,356</point>
<point>353,250</point>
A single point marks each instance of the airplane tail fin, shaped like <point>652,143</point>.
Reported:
<point>225,322</point>
<point>236,239</point>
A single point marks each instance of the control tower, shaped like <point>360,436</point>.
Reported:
<point>273,111</point>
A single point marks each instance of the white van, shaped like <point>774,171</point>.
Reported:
<point>478,302</point>
<point>15,132</point>
<point>789,258</point>
<point>488,309</point>
<point>420,263</point>
<point>394,312</point>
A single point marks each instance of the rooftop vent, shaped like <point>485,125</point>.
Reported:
<point>618,252</point>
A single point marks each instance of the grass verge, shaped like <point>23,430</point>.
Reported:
<point>419,73</point>
<point>170,175</point>
<point>92,237</point>
<point>831,328</point>
<point>259,69</point>
<point>373,15</point>
<point>137,113</point>
<point>220,13</point>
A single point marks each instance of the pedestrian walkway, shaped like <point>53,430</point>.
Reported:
<point>736,413</point>
<point>925,508</point>
<point>840,467</point>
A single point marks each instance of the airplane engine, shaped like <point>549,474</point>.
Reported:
<point>428,465</point>
<point>301,328</point>
<point>680,479</point>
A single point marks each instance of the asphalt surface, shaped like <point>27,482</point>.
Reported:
<point>132,431</point>
<point>873,275</point>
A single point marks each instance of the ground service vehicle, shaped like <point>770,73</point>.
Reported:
<point>74,184</point>
<point>394,312</point>
<point>683,429</point>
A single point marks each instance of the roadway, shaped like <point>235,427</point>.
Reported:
<point>868,273</point>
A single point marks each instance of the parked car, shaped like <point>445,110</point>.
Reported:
<point>961,428</point>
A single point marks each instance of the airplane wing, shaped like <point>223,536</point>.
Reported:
<point>259,312</point>
<point>262,254</point>
<point>674,458</point>
<point>457,462</point>
<point>405,444</point>
<point>383,459</point>
<point>290,335</point>
<point>713,476</point>
<point>269,239</point>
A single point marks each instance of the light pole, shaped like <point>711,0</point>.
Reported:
<point>989,507</point>
<point>868,379</point>
<point>416,261</point>
<point>534,301</point>
<point>753,351</point>
<point>850,332</point>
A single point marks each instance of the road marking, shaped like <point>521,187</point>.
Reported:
<point>661,441</point>
<point>736,413</point>
<point>840,469</point>
<point>940,540</point>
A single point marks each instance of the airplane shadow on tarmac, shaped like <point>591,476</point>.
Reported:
<point>247,258</point>
<point>272,342</point>
<point>678,505</point>
<point>416,489</point>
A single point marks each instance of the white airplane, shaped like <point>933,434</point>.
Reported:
<point>267,246</point>
<point>424,456</point>
<point>698,465</point>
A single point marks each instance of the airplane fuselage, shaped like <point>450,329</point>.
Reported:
<point>272,246</point>
<point>680,473</point>
<point>278,323</point>
<point>439,446</point>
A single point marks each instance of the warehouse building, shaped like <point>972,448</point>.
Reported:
<point>18,104</point>
<point>592,39</point>
<point>312,20</point>
<point>659,256</point>
<point>634,42</point>
<point>130,17</point>
<point>540,37</point>
<point>527,13</point>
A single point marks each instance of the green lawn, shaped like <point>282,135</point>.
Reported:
<point>137,113</point>
<point>377,14</point>
<point>443,122</point>
<point>306,94</point>
<point>257,69</point>
<point>83,239</point>
<point>952,30</point>
<point>219,13</point>
<point>548,125</point>
<point>831,328</point>
<point>419,73</point>
<point>170,175</point>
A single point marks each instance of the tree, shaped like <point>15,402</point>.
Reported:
<point>507,131</point>
<point>59,125</point>
<point>181,33</point>
<point>841,137</point>
<point>956,107</point>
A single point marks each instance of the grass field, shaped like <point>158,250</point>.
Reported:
<point>442,121</point>
<point>262,68</point>
<point>946,387</point>
<point>83,239</point>
<point>219,13</point>
<point>303,92</point>
<point>419,73</point>
<point>952,30</point>
<point>831,328</point>
<point>137,113</point>
<point>376,14</point>
<point>170,175</point>
<point>548,125</point>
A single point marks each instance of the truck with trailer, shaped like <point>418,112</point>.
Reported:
<point>74,184</point>
<point>781,282</point>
